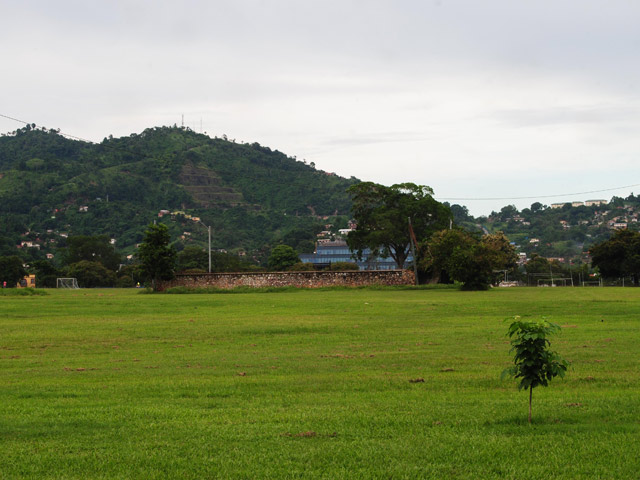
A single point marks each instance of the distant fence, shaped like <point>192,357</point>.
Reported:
<point>291,279</point>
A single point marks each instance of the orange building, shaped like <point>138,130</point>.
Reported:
<point>27,282</point>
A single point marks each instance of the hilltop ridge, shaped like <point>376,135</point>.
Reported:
<point>52,186</point>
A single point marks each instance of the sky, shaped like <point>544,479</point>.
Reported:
<point>490,103</point>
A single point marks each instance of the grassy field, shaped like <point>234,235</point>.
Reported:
<point>314,384</point>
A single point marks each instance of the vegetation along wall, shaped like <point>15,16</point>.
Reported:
<point>292,279</point>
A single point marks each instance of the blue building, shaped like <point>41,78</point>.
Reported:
<point>337,251</point>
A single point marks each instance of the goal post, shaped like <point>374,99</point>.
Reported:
<point>67,283</point>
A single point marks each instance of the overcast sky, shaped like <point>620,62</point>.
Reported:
<point>477,99</point>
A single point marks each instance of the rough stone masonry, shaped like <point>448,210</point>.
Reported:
<point>291,279</point>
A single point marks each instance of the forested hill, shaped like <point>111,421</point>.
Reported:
<point>52,186</point>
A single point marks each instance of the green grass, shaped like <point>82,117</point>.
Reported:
<point>21,292</point>
<point>314,384</point>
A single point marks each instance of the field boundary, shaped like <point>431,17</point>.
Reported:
<point>290,279</point>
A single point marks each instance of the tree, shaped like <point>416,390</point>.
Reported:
<point>534,363</point>
<point>382,215</point>
<point>192,257</point>
<point>618,256</point>
<point>91,274</point>
<point>460,213</point>
<point>502,252</point>
<point>507,212</point>
<point>537,207</point>
<point>157,255</point>
<point>92,249</point>
<point>11,270</point>
<point>462,256</point>
<point>437,252</point>
<point>282,257</point>
<point>46,273</point>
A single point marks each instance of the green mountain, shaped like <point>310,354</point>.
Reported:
<point>253,197</point>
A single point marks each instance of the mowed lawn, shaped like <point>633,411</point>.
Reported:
<point>314,384</point>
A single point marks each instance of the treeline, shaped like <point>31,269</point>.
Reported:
<point>95,262</point>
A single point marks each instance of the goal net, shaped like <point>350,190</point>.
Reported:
<point>66,283</point>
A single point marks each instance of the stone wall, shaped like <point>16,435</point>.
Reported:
<point>292,279</point>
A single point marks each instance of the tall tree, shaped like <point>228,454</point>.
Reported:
<point>92,274</point>
<point>157,255</point>
<point>382,215</point>
<point>618,256</point>
<point>282,257</point>
<point>11,270</point>
<point>96,248</point>
<point>464,257</point>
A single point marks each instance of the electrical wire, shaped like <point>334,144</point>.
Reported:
<point>446,199</point>
<point>539,196</point>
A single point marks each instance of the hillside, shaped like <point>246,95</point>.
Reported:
<point>252,196</point>
<point>562,231</point>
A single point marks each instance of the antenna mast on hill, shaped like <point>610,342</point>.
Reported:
<point>183,120</point>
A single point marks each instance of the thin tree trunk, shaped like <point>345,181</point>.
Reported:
<point>530,395</point>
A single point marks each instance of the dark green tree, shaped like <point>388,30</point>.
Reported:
<point>91,274</point>
<point>534,363</point>
<point>157,255</point>
<point>192,258</point>
<point>464,257</point>
<point>382,215</point>
<point>130,276</point>
<point>436,253</point>
<point>11,270</point>
<point>618,256</point>
<point>46,273</point>
<point>507,212</point>
<point>282,257</point>
<point>537,207</point>
<point>92,249</point>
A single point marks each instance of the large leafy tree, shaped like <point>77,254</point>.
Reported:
<point>92,248</point>
<point>618,256</point>
<point>46,273</point>
<point>464,257</point>
<point>192,258</point>
<point>382,214</point>
<point>157,255</point>
<point>282,257</point>
<point>11,270</point>
<point>92,274</point>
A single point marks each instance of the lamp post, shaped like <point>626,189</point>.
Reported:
<point>209,230</point>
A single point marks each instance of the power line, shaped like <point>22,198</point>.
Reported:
<point>103,145</point>
<point>532,197</point>
<point>57,131</point>
<point>541,196</point>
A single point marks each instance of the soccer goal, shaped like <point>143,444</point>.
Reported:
<point>67,283</point>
